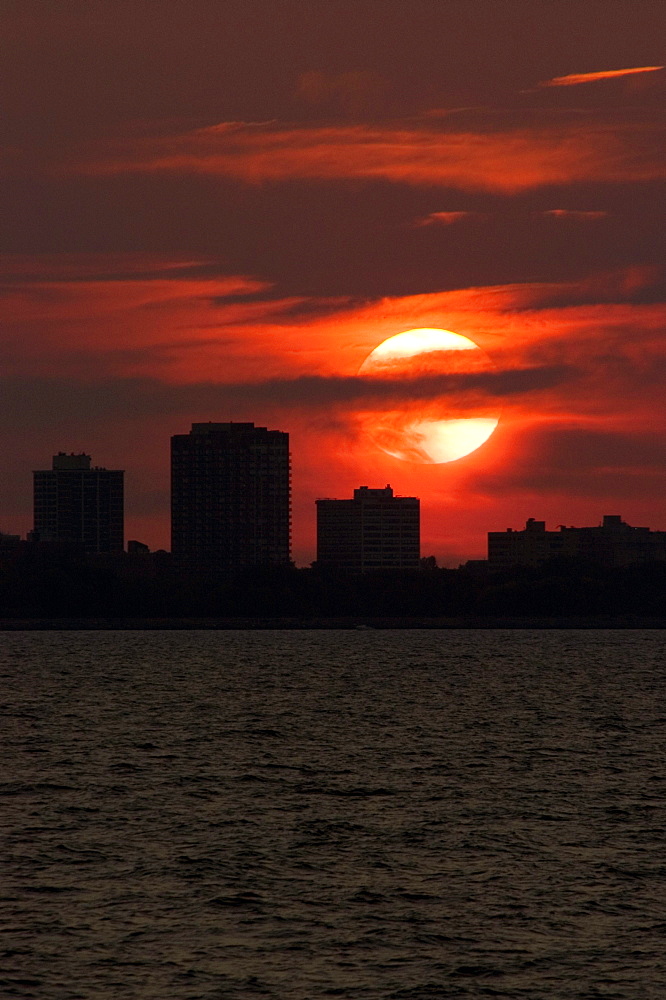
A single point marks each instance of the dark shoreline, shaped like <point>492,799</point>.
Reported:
<point>321,622</point>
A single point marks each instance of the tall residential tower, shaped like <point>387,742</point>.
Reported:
<point>230,497</point>
<point>78,504</point>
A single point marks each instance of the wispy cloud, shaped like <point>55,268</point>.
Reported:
<point>572,213</point>
<point>574,79</point>
<point>507,161</point>
<point>443,218</point>
<point>185,327</point>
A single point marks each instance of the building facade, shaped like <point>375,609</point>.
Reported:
<point>374,530</point>
<point>79,505</point>
<point>230,497</point>
<point>613,543</point>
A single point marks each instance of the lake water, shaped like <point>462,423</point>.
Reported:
<point>410,815</point>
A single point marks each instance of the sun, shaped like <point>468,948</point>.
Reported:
<point>428,432</point>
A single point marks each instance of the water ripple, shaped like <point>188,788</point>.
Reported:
<point>377,815</point>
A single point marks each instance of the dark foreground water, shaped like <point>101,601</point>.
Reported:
<point>362,814</point>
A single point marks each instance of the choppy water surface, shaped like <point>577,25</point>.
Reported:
<point>380,814</point>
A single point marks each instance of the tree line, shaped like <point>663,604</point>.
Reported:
<point>36,583</point>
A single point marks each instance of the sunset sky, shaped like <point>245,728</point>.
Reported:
<point>216,209</point>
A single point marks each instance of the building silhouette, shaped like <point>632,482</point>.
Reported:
<point>374,530</point>
<point>79,505</point>
<point>613,543</point>
<point>230,497</point>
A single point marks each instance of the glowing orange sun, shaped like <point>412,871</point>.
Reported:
<point>426,431</point>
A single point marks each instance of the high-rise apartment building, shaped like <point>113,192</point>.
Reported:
<point>78,504</point>
<point>230,496</point>
<point>374,530</point>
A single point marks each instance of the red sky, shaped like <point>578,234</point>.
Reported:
<point>215,211</point>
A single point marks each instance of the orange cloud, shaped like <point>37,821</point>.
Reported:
<point>99,314</point>
<point>569,213</point>
<point>186,329</point>
<point>504,161</point>
<point>573,79</point>
<point>443,218</point>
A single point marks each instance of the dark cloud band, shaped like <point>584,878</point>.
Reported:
<point>43,400</point>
